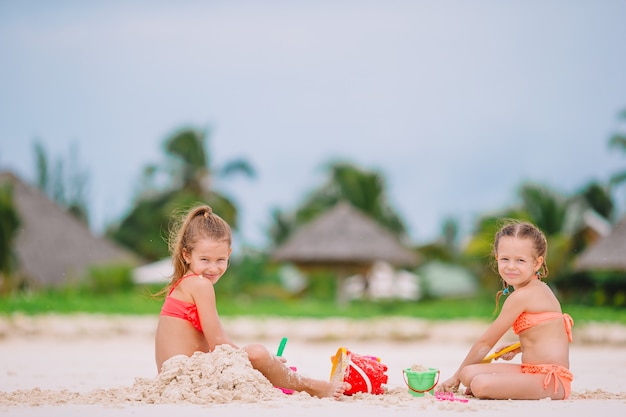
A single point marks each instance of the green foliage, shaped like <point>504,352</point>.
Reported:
<point>363,189</point>
<point>479,253</point>
<point>9,225</point>
<point>546,208</point>
<point>254,277</point>
<point>139,301</point>
<point>609,288</point>
<point>188,145</point>
<point>187,178</point>
<point>188,173</point>
<point>598,198</point>
<point>108,279</point>
<point>63,182</point>
<point>73,300</point>
<point>321,286</point>
<point>248,274</point>
<point>144,229</point>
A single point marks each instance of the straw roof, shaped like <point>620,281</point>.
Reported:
<point>344,236</point>
<point>52,246</point>
<point>609,253</point>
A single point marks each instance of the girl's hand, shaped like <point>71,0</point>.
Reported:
<point>508,355</point>
<point>449,385</point>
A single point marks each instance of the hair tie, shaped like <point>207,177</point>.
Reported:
<point>506,291</point>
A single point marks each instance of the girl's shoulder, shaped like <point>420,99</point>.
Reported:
<point>192,285</point>
<point>198,283</point>
<point>535,297</point>
<point>523,297</point>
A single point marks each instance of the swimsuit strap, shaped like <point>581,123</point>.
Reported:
<point>569,322</point>
<point>181,280</point>
<point>553,372</point>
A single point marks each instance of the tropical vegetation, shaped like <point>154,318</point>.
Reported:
<point>140,301</point>
<point>362,188</point>
<point>185,178</point>
<point>189,175</point>
<point>8,232</point>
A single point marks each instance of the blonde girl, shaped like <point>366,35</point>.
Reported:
<point>534,313</point>
<point>200,245</point>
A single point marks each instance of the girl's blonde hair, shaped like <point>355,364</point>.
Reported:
<point>522,230</point>
<point>186,229</point>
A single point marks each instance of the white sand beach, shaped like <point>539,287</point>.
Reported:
<point>104,366</point>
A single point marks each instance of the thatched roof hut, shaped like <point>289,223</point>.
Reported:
<point>344,235</point>
<point>52,246</point>
<point>346,241</point>
<point>609,253</point>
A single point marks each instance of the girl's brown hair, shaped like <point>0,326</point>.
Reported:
<point>522,230</point>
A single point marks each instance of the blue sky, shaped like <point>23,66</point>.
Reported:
<point>456,102</point>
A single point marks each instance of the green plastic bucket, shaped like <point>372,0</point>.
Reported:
<point>420,382</point>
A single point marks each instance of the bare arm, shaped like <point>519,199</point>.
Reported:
<point>511,309</point>
<point>204,298</point>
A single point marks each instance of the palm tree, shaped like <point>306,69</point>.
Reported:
<point>364,189</point>
<point>67,189</point>
<point>598,198</point>
<point>546,208</point>
<point>188,176</point>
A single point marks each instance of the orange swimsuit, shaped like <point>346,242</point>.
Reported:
<point>528,320</point>
<point>174,307</point>
<point>557,372</point>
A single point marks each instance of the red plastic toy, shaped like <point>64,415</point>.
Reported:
<point>364,373</point>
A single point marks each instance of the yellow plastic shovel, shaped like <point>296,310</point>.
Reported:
<point>507,349</point>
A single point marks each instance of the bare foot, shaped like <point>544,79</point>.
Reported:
<point>340,388</point>
<point>323,389</point>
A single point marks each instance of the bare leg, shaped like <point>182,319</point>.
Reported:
<point>280,375</point>
<point>506,381</point>
<point>468,373</point>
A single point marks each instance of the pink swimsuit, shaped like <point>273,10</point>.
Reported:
<point>557,372</point>
<point>173,307</point>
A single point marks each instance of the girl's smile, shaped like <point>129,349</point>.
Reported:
<point>209,259</point>
<point>517,262</point>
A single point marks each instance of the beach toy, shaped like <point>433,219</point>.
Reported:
<point>281,348</point>
<point>363,373</point>
<point>449,396</point>
<point>507,349</point>
<point>420,382</point>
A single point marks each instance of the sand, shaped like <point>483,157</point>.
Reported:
<point>104,366</point>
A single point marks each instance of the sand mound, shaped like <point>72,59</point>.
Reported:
<point>222,376</point>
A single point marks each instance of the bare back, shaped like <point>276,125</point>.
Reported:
<point>175,336</point>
